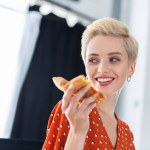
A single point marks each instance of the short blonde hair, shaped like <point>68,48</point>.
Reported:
<point>110,27</point>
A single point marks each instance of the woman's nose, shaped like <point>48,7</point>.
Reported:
<point>103,67</point>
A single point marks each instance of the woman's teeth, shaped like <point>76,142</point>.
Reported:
<point>104,79</point>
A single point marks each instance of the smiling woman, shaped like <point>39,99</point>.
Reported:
<point>109,53</point>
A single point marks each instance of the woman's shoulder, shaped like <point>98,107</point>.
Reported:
<point>56,112</point>
<point>123,123</point>
<point>57,129</point>
<point>124,127</point>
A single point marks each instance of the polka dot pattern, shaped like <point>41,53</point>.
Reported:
<point>96,139</point>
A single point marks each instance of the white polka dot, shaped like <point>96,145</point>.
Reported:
<point>49,142</point>
<point>130,144</point>
<point>100,142</point>
<point>95,135</point>
<point>59,140</point>
<point>92,142</point>
<point>64,133</point>
<point>93,122</point>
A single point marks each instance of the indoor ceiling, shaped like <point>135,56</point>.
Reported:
<point>92,8</point>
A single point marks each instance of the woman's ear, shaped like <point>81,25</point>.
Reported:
<point>132,69</point>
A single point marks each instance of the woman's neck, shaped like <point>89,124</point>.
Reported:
<point>108,105</point>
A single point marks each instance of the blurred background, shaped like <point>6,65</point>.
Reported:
<point>41,39</point>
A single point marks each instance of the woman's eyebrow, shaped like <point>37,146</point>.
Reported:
<point>93,54</point>
<point>111,53</point>
<point>115,53</point>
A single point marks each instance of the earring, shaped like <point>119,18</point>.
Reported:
<point>129,79</point>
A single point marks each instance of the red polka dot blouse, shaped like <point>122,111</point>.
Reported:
<point>97,137</point>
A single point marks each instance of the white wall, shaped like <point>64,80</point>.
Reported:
<point>135,108</point>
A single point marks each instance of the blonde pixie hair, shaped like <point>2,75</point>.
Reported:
<point>110,27</point>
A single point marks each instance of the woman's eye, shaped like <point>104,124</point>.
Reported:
<point>93,60</point>
<point>114,59</point>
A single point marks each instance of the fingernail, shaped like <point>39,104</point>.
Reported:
<point>88,87</point>
<point>71,87</point>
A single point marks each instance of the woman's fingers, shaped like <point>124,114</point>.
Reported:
<point>69,100</point>
<point>75,99</point>
<point>87,102</point>
<point>90,107</point>
<point>67,97</point>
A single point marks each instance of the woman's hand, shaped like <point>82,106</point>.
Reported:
<point>78,114</point>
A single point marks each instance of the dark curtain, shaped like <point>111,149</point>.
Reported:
<point>57,53</point>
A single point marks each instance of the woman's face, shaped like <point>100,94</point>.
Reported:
<point>107,65</point>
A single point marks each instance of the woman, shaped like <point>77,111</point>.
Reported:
<point>109,53</point>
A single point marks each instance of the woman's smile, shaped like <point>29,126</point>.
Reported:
<point>103,80</point>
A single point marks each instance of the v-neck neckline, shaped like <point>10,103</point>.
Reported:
<point>104,129</point>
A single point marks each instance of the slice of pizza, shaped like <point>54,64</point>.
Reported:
<point>79,82</point>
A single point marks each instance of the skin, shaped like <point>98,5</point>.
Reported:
<point>106,58</point>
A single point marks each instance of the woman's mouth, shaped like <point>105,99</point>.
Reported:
<point>104,81</point>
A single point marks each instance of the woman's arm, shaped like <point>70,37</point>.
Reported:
<point>75,141</point>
